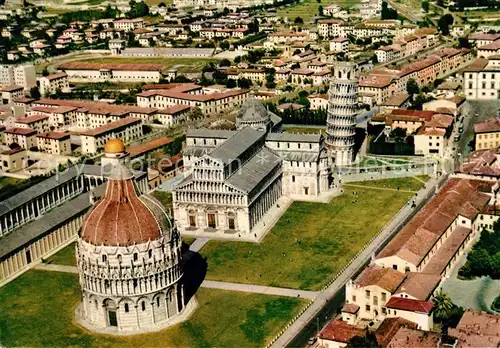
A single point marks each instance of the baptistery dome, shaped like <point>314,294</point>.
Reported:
<point>254,114</point>
<point>129,261</point>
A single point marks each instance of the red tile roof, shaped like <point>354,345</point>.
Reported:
<point>409,338</point>
<point>389,327</point>
<point>54,135</point>
<point>419,285</point>
<point>111,66</point>
<point>386,278</point>
<point>350,308</point>
<point>124,122</point>
<point>339,331</point>
<point>31,119</point>
<point>488,126</point>
<point>477,329</point>
<point>457,197</point>
<point>20,131</point>
<point>148,146</point>
<point>410,305</point>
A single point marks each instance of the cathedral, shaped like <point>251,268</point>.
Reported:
<point>129,258</point>
<point>233,178</point>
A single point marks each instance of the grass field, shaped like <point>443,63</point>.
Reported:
<point>5,180</point>
<point>65,256</point>
<point>310,242</point>
<point>38,308</point>
<point>183,65</point>
<point>308,8</point>
<point>404,184</point>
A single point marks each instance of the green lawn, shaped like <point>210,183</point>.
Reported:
<point>309,244</point>
<point>38,308</point>
<point>65,256</point>
<point>5,180</point>
<point>165,198</point>
<point>183,65</point>
<point>404,184</point>
<point>308,8</point>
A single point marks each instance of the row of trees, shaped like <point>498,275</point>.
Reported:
<point>484,258</point>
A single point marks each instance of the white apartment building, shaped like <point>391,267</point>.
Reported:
<point>9,93</point>
<point>55,143</point>
<point>50,84</point>
<point>329,27</point>
<point>129,24</point>
<point>96,72</point>
<point>126,129</point>
<point>24,137</point>
<point>482,79</point>
<point>38,122</point>
<point>430,141</point>
<point>21,75</point>
<point>340,44</point>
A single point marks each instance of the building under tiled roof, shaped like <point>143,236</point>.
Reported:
<point>386,278</point>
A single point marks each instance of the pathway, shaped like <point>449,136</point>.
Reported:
<point>210,284</point>
<point>56,268</point>
<point>259,289</point>
<point>389,230</point>
<point>198,244</point>
<point>379,188</point>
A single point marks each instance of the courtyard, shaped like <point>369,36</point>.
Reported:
<point>312,241</point>
<point>38,309</point>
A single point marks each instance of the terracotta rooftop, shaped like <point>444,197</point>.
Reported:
<point>56,76</point>
<point>20,131</point>
<point>389,327</point>
<point>90,106</point>
<point>488,126</point>
<point>350,308</point>
<point>54,135</point>
<point>407,304</point>
<point>439,261</point>
<point>124,122</point>
<point>397,99</point>
<point>31,119</point>
<point>410,338</point>
<point>457,197</point>
<point>56,110</point>
<point>477,329</point>
<point>481,162</point>
<point>478,65</point>
<point>375,80</point>
<point>419,285</point>
<point>111,66</point>
<point>339,331</point>
<point>385,278</point>
<point>148,146</point>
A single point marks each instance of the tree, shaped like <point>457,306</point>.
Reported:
<point>387,12</point>
<point>444,306</point>
<point>425,6</point>
<point>298,20</point>
<point>320,10</point>
<point>367,341</point>
<point>231,83</point>
<point>224,45</point>
<point>45,72</point>
<point>444,24</point>
<point>225,62</point>
<point>35,93</point>
<point>463,42</point>
<point>244,83</point>
<point>412,87</point>
<point>398,134</point>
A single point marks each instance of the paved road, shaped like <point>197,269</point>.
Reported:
<point>391,228</point>
<point>259,289</point>
<point>198,244</point>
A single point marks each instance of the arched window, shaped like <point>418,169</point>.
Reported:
<point>126,308</point>
<point>119,257</point>
<point>104,258</point>
<point>135,256</point>
<point>293,178</point>
<point>143,305</point>
<point>158,301</point>
<point>150,253</point>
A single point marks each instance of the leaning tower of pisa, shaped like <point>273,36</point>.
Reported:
<point>342,111</point>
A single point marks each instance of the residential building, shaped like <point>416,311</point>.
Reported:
<point>21,75</point>
<point>477,329</point>
<point>487,134</point>
<point>329,28</point>
<point>318,101</point>
<point>340,44</point>
<point>13,160</point>
<point>482,79</point>
<point>97,72</point>
<point>40,123</point>
<point>126,129</point>
<point>23,137</point>
<point>128,24</point>
<point>54,143</point>
<point>52,83</point>
<point>9,93</point>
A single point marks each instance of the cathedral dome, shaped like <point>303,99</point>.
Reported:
<point>121,217</point>
<point>253,110</point>
<point>114,146</point>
